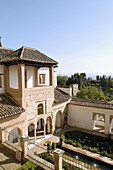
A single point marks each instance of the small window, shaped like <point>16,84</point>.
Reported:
<point>40,109</point>
<point>42,79</point>
<point>0,81</point>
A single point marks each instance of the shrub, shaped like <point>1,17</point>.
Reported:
<point>85,147</point>
<point>62,137</point>
<point>95,150</point>
<point>78,145</point>
<point>90,149</point>
<point>53,145</point>
<point>49,146</point>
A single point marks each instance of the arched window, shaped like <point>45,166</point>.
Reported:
<point>40,109</point>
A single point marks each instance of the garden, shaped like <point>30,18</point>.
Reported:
<point>50,158</point>
<point>29,165</point>
<point>93,143</point>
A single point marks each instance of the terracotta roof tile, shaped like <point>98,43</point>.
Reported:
<point>91,103</point>
<point>4,52</point>
<point>8,107</point>
<point>60,95</point>
<point>29,54</point>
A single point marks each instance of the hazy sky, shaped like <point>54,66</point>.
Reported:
<point>76,33</point>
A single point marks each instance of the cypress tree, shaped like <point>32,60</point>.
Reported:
<point>0,42</point>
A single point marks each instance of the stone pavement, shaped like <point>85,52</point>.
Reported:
<point>8,161</point>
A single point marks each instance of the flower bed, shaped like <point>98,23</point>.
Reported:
<point>93,143</point>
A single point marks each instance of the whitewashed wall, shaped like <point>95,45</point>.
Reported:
<point>13,76</point>
<point>45,70</point>
<point>2,78</point>
<point>82,117</point>
<point>30,77</point>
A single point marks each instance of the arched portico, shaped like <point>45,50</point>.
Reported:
<point>15,135</point>
<point>58,122</point>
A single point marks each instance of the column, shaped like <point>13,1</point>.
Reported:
<point>35,126</point>
<point>107,123</point>
<point>36,76</point>
<point>51,75</point>
<point>6,77</point>
<point>24,144</point>
<point>94,121</point>
<point>110,126</point>
<point>44,128</point>
<point>21,79</point>
<point>58,159</point>
<point>2,135</point>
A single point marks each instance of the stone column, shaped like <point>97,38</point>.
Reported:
<point>45,128</point>
<point>24,144</point>
<point>36,76</point>
<point>51,75</point>
<point>107,118</point>
<point>21,79</point>
<point>110,126</point>
<point>58,159</point>
<point>35,126</point>
<point>2,135</point>
<point>94,121</point>
<point>6,78</point>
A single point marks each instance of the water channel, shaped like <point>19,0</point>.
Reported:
<point>91,161</point>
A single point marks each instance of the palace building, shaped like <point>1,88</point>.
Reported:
<point>30,103</point>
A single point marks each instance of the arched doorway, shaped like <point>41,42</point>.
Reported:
<point>58,123</point>
<point>49,125</point>
<point>31,130</point>
<point>40,128</point>
<point>14,136</point>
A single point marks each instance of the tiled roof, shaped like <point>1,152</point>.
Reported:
<point>29,54</point>
<point>4,52</point>
<point>8,107</point>
<point>60,95</point>
<point>91,103</point>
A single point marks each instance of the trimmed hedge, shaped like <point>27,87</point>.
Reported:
<point>93,143</point>
<point>50,159</point>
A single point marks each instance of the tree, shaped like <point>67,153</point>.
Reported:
<point>0,42</point>
<point>61,80</point>
<point>91,93</point>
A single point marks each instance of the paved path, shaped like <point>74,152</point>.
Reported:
<point>8,161</point>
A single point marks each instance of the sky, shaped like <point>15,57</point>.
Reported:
<point>76,33</point>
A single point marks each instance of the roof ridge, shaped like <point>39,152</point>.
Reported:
<point>40,53</point>
<point>22,51</point>
<point>62,91</point>
<point>7,48</point>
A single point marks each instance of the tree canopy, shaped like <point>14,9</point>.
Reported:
<point>91,93</point>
